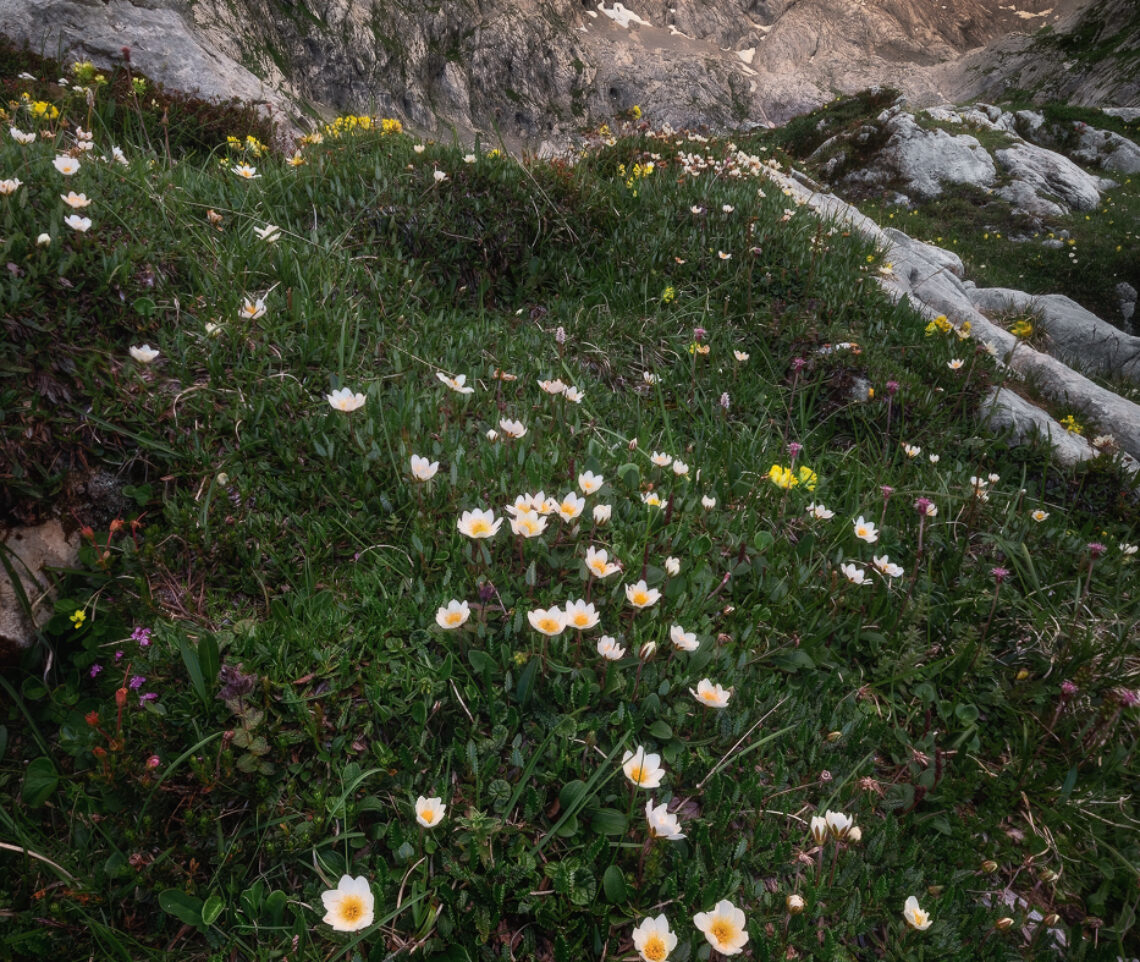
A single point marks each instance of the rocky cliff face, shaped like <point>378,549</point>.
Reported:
<point>537,69</point>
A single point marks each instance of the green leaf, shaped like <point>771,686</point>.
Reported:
<point>185,908</point>
<point>481,661</point>
<point>763,540</point>
<point>966,713</point>
<point>792,661</point>
<point>572,793</point>
<point>525,687</point>
<point>609,821</point>
<point>629,474</point>
<point>613,884</point>
<point>40,781</point>
<point>661,731</point>
<point>212,909</point>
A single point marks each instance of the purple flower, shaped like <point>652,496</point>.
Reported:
<point>892,387</point>
<point>141,635</point>
<point>725,401</point>
<point>1096,549</point>
<point>1068,689</point>
<point>136,682</point>
<point>147,696</point>
<point>118,656</point>
<point>887,491</point>
<point>798,364</point>
<point>922,505</point>
<point>699,333</point>
<point>794,449</point>
<point>95,669</point>
<point>1000,574</point>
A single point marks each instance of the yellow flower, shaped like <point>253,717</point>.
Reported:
<point>782,477</point>
<point>1072,425</point>
<point>78,617</point>
<point>808,477</point>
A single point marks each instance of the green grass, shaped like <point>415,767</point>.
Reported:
<point>289,569</point>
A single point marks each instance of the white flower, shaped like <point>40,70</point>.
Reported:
<point>795,904</point>
<point>468,158</point>
<point>580,615</point>
<point>683,640</point>
<point>270,233</point>
<point>673,565</point>
<point>75,222</point>
<point>709,694</point>
<point>915,917</point>
<point>573,395</point>
<point>439,176</point>
<point>245,171</point>
<point>599,564</point>
<point>418,148</point>
<point>453,614</point>
<point>653,939</point>
<point>571,506</point>
<point>723,256</point>
<point>695,209</point>
<point>74,200</point>
<point>589,482</point>
<point>478,524</point>
<point>838,823</point>
<point>547,621</point>
<point>934,458</point>
<point>819,829</point>
<point>422,469</point>
<point>10,186</point>
<point>144,354</point>
<point>855,574</point>
<point>457,383</point>
<point>43,240</point>
<point>640,595</point>
<point>252,310</point>
<point>512,429</point>
<point>649,377</point>
<point>66,165</point>
<point>552,387</point>
<point>430,811</point>
<point>492,435</point>
<point>723,927</point>
<point>741,356</point>
<point>349,907</point>
<point>602,513</point>
<point>819,512</point>
<point>661,823</point>
<point>661,459</point>
<point>609,649</point>
<point>708,503</point>
<point>994,478</point>
<point>652,498</point>
<point>117,156</point>
<point>22,138</point>
<point>865,530</point>
<point>727,208</point>
<point>528,524</point>
<point>887,567</point>
<point>1128,549</point>
<point>955,363</point>
<point>680,468</point>
<point>343,399</point>
<point>644,770</point>
<point>912,451</point>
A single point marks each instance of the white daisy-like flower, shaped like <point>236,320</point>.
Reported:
<point>270,233</point>
<point>642,768</point>
<point>68,166</point>
<point>78,223</point>
<point>865,530</point>
<point>252,310</point>
<point>350,906</point>
<point>458,383</point>
<point>343,399</point>
<point>528,524</point>
<point>609,649</point>
<point>453,615</point>
<point>588,482</point>
<point>423,469</point>
<point>144,354</point>
<point>854,574</point>
<point>662,824</point>
<point>599,564</point>
<point>640,595</point>
<point>683,640</point>
<point>714,696</point>
<point>581,615</point>
<point>884,564</point>
<point>512,429</point>
<point>661,459</point>
<point>430,811</point>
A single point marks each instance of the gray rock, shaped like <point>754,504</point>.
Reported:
<point>29,551</point>
<point>1048,172</point>
<point>924,160</point>
<point>1076,336</point>
<point>1127,294</point>
<point>1105,149</point>
<point>1025,199</point>
<point>1005,411</point>
<point>1127,114</point>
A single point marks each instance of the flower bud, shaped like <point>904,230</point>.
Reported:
<point>989,865</point>
<point>934,890</point>
<point>1003,924</point>
<point>834,736</point>
<point>647,650</point>
<point>795,904</point>
<point>1051,920</point>
<point>121,697</point>
<point>854,835</point>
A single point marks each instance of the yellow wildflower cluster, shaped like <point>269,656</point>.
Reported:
<point>85,73</point>
<point>786,478</point>
<point>314,138</point>
<point>390,125</point>
<point>1072,425</point>
<point>940,324</point>
<point>251,145</point>
<point>1022,328</point>
<point>639,172</point>
<point>669,294</point>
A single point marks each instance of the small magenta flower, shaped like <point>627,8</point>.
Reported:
<point>798,364</point>
<point>699,333</point>
<point>137,681</point>
<point>1068,689</point>
<point>1000,574</point>
<point>1096,549</point>
<point>923,505</point>
<point>794,449</point>
<point>892,387</point>
<point>153,762</point>
<point>147,696</point>
<point>887,491</point>
<point>142,636</point>
<point>95,669</point>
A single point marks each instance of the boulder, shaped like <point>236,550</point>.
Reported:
<point>1005,411</point>
<point>1076,336</point>
<point>1105,149</point>
<point>924,160</point>
<point>1048,172</point>
<point>1026,200</point>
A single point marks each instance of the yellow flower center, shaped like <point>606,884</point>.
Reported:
<point>641,598</point>
<point>638,774</point>
<point>428,815</point>
<point>351,908</point>
<point>581,620</point>
<point>480,527</point>
<point>454,617</point>
<point>861,532</point>
<point>723,931</point>
<point>597,566</point>
<point>654,948</point>
<point>709,695</point>
<point>920,918</point>
<point>548,626</point>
